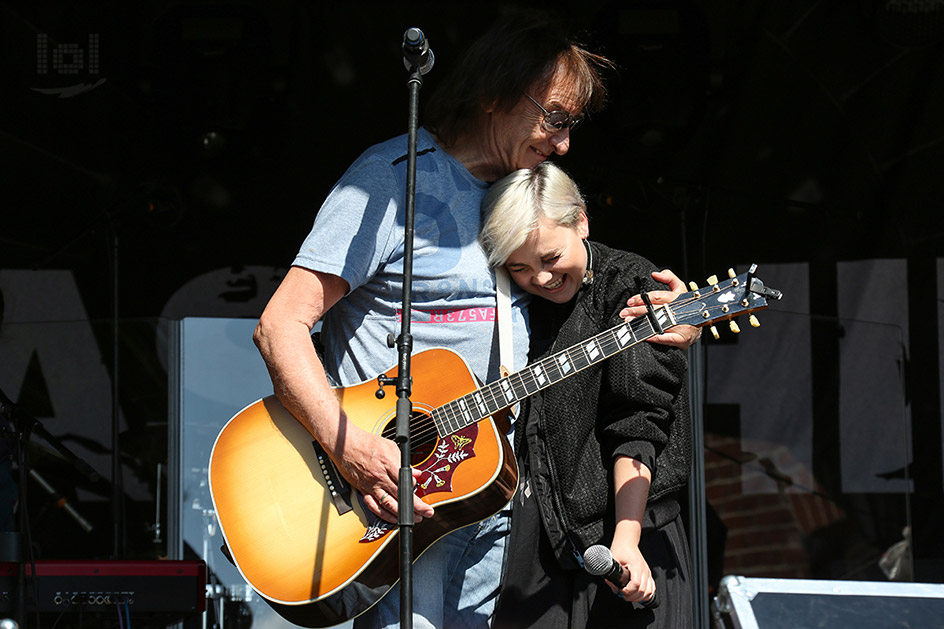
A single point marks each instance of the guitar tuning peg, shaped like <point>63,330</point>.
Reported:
<point>754,321</point>
<point>713,280</point>
<point>714,332</point>
<point>693,285</point>
<point>734,326</point>
<point>732,274</point>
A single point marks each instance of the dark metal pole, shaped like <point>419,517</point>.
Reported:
<point>405,346</point>
<point>117,496</point>
<point>419,60</point>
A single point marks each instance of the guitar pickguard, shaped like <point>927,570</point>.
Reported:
<point>441,465</point>
<point>437,472</point>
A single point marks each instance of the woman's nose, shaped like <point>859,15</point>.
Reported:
<point>543,277</point>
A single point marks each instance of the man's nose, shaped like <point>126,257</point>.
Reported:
<point>561,141</point>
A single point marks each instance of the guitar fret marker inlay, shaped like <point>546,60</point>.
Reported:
<point>564,362</point>
<point>624,336</point>
<point>592,350</point>
<point>481,404</point>
<point>464,409</point>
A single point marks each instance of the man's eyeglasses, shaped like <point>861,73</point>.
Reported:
<point>557,120</point>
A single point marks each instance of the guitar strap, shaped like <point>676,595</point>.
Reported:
<point>505,342</point>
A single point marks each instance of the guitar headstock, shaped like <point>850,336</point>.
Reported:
<point>723,301</point>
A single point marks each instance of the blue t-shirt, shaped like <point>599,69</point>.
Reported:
<point>359,235</point>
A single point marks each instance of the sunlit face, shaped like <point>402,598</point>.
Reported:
<point>552,261</point>
<point>519,139</point>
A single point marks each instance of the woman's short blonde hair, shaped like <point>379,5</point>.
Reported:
<point>516,204</point>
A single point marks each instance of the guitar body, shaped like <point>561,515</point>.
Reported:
<point>319,564</point>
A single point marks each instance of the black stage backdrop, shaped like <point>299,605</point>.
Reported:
<point>184,148</point>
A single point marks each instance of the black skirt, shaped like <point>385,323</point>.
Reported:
<point>537,592</point>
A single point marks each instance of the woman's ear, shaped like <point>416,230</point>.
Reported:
<point>583,226</point>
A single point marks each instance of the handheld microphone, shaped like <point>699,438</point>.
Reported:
<point>599,561</point>
<point>416,51</point>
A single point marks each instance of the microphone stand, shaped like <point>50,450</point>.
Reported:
<point>111,222</point>
<point>25,425</point>
<point>418,59</point>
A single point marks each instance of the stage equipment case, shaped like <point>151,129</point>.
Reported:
<point>759,603</point>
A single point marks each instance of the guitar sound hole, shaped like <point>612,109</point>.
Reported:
<point>422,435</point>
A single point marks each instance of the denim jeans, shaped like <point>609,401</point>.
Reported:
<point>455,582</point>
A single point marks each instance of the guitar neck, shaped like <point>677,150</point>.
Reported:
<point>515,387</point>
<point>742,294</point>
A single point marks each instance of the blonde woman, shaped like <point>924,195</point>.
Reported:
<point>605,454</point>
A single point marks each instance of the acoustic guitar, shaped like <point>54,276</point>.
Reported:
<point>305,541</point>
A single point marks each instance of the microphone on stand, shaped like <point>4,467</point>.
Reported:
<point>416,51</point>
<point>599,561</point>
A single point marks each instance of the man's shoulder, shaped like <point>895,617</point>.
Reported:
<point>383,152</point>
<point>395,149</point>
<point>390,157</point>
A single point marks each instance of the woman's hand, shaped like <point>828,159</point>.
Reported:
<point>641,586</point>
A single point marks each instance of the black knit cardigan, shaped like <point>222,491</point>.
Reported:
<point>634,404</point>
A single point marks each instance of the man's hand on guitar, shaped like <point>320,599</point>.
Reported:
<point>371,464</point>
<point>681,336</point>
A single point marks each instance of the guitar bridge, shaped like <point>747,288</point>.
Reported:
<point>340,490</point>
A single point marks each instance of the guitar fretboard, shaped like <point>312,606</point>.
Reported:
<point>513,388</point>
